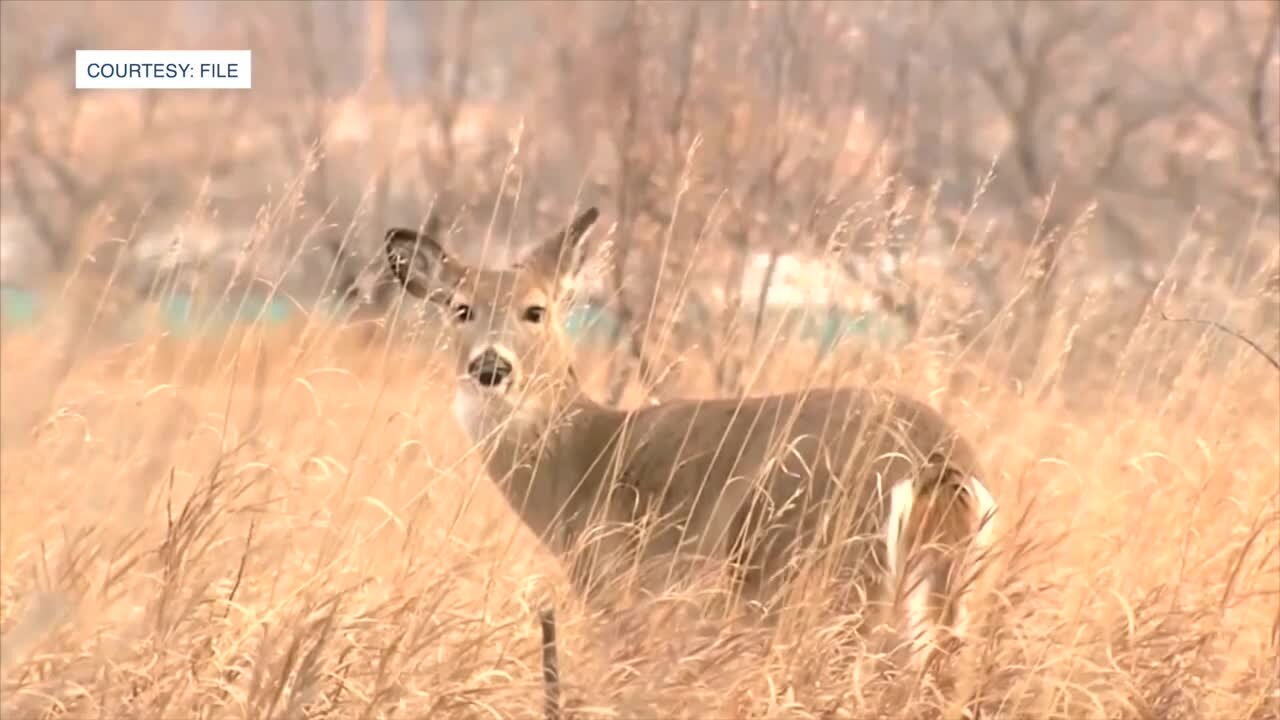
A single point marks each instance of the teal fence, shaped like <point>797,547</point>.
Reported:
<point>587,323</point>
<point>19,307</point>
<point>593,323</point>
<point>183,317</point>
<point>180,315</point>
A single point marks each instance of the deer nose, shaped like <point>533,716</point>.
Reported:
<point>489,368</point>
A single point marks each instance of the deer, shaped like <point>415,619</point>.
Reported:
<point>878,481</point>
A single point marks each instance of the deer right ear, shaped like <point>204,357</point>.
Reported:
<point>418,262</point>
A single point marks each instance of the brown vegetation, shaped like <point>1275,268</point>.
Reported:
<point>287,523</point>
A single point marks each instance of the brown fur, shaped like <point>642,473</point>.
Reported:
<point>752,482</point>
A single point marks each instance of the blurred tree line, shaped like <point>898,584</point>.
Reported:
<point>962,164</point>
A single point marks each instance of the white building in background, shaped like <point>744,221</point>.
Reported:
<point>797,280</point>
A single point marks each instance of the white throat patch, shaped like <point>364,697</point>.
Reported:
<point>483,415</point>
<point>468,410</point>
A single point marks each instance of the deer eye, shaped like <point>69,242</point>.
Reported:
<point>534,313</point>
<point>462,312</point>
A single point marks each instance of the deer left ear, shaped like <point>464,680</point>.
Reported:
<point>560,256</point>
<point>419,263</point>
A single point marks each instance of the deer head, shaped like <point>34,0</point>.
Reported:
<point>505,325</point>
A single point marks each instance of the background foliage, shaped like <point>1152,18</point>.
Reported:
<point>253,505</point>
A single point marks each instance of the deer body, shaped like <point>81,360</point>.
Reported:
<point>877,481</point>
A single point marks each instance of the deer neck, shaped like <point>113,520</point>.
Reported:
<point>538,454</point>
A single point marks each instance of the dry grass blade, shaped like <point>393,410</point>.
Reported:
<point>234,484</point>
<point>1274,360</point>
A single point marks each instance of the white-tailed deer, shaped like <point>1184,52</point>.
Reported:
<point>875,484</point>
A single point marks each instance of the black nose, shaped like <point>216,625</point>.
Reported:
<point>489,369</point>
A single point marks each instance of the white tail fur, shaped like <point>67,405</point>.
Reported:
<point>920,577</point>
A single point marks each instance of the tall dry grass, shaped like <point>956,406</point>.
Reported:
<point>289,524</point>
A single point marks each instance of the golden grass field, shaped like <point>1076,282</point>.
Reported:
<point>289,524</point>
<point>292,526</point>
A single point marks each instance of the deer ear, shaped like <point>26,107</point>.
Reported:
<point>418,262</point>
<point>560,256</point>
